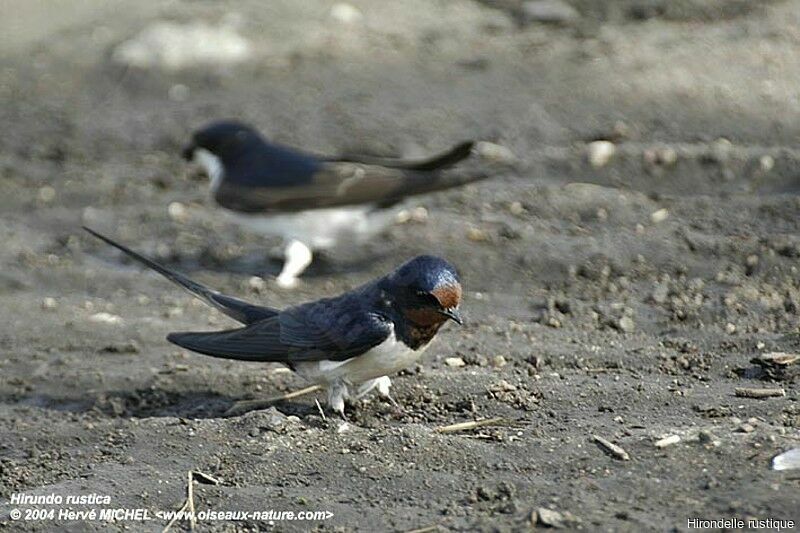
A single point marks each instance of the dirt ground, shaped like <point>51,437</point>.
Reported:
<point>624,300</point>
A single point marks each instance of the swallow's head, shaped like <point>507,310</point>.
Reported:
<point>427,290</point>
<point>224,139</point>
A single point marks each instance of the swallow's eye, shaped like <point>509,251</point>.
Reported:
<point>427,298</point>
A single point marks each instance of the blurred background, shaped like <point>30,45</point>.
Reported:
<point>618,282</point>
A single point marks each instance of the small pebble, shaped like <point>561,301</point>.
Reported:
<point>548,12</point>
<point>626,324</point>
<point>46,194</point>
<point>49,303</point>
<point>600,153</point>
<point>178,212</point>
<point>667,441</point>
<point>659,216</point>
<point>105,318</point>
<point>346,13</point>
<point>498,361</point>
<point>730,329</point>
<point>477,235</point>
<point>668,156</point>
<point>494,153</point>
<point>455,362</point>
<point>766,162</point>
<point>257,284</point>
<point>516,208</point>
<point>419,214</point>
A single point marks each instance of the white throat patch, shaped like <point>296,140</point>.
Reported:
<point>212,165</point>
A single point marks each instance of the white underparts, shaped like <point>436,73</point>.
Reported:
<point>366,372</point>
<point>297,257</point>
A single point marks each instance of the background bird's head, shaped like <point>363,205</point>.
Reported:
<point>427,290</point>
<point>226,140</point>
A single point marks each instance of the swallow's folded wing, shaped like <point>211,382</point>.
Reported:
<point>310,332</point>
<point>440,161</point>
<point>337,184</point>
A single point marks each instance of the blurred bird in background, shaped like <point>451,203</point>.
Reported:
<point>313,202</point>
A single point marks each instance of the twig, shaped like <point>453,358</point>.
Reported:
<point>611,448</point>
<point>175,516</point>
<point>247,405</point>
<point>321,412</point>
<point>745,392</point>
<point>428,529</point>
<point>190,500</point>
<point>202,477</point>
<point>474,424</point>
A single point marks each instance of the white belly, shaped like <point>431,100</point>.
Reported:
<point>385,359</point>
<point>320,228</point>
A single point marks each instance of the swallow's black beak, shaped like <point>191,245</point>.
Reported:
<point>453,315</point>
<point>188,152</point>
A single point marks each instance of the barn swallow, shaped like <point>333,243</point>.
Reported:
<point>356,339</point>
<point>310,201</point>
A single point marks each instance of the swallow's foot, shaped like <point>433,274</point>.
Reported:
<point>382,385</point>
<point>337,393</point>
<point>297,257</point>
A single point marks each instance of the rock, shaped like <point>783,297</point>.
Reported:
<point>667,156</point>
<point>746,428</point>
<point>178,212</point>
<point>130,346</point>
<point>268,419</point>
<point>706,437</point>
<point>498,361</point>
<point>419,214</point>
<point>667,441</point>
<point>46,194</point>
<point>105,318</point>
<point>548,12</point>
<point>503,386</point>
<point>548,517</point>
<point>257,284</point>
<point>626,324</point>
<point>776,359</point>
<point>789,460</point>
<point>494,153</point>
<point>766,162</point>
<point>730,328</point>
<point>346,13</point>
<point>516,208</point>
<point>477,235</point>
<point>659,216</point>
<point>455,362</point>
<point>600,153</point>
<point>172,46</point>
<point>49,303</point>
<point>660,293</point>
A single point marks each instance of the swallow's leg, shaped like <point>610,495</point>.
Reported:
<point>337,393</point>
<point>297,257</point>
<point>383,384</point>
<point>383,392</point>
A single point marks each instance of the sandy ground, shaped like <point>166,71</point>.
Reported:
<point>625,301</point>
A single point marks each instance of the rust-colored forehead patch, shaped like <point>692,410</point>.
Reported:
<point>449,296</point>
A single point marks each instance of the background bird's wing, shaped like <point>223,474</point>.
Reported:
<point>239,310</point>
<point>310,332</point>
<point>443,160</point>
<point>337,184</point>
